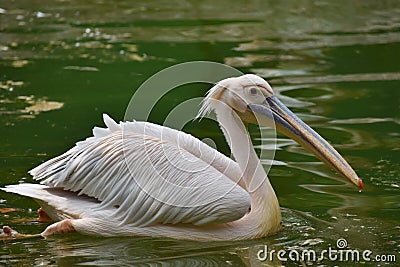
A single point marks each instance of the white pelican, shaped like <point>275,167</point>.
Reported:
<point>138,178</point>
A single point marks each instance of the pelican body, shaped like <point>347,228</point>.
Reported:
<point>142,179</point>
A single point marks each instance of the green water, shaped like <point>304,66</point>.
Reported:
<point>335,63</point>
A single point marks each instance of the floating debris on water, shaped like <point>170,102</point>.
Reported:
<point>19,63</point>
<point>9,85</point>
<point>136,57</point>
<point>42,105</point>
<point>26,107</point>
<point>7,210</point>
<point>79,68</point>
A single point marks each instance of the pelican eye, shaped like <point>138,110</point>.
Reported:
<point>254,94</point>
<point>253,90</point>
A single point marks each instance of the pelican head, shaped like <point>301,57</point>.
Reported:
<point>253,100</point>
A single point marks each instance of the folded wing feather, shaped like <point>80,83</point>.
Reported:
<point>150,174</point>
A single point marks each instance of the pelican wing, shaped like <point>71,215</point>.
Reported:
<point>150,174</point>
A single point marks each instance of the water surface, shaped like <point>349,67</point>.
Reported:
<point>335,63</point>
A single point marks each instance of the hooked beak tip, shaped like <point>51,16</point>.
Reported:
<point>360,185</point>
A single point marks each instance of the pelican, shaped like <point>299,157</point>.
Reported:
<point>142,179</point>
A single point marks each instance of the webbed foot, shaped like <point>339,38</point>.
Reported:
<point>9,233</point>
<point>62,227</point>
<point>43,217</point>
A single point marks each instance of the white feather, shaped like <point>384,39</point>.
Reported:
<point>138,166</point>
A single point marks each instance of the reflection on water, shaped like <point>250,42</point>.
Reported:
<point>334,63</point>
<point>93,251</point>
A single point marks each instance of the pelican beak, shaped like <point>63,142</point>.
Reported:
<point>292,126</point>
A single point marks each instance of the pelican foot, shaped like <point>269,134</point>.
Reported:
<point>43,217</point>
<point>9,233</point>
<point>62,227</point>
